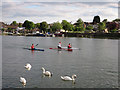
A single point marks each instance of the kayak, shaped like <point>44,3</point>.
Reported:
<point>72,48</point>
<point>61,49</point>
<point>34,49</point>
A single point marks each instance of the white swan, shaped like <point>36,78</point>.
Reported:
<point>47,73</point>
<point>28,66</point>
<point>67,78</point>
<point>23,81</point>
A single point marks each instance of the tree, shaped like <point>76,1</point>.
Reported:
<point>101,26</point>
<point>31,25</point>
<point>37,25</point>
<point>66,25</point>
<point>79,25</point>
<point>20,25</point>
<point>117,20</point>
<point>96,20</point>
<point>89,27</point>
<point>114,30</point>
<point>72,28</point>
<point>25,24</point>
<point>14,23</point>
<point>105,20</point>
<point>28,25</point>
<point>56,26</point>
<point>3,29</point>
<point>43,26</point>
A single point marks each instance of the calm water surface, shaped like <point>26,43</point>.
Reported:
<point>95,64</point>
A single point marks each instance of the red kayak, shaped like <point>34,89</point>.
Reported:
<point>61,49</point>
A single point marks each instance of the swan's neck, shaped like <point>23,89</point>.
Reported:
<point>73,78</point>
<point>43,70</point>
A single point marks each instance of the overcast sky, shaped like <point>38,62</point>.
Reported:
<point>52,10</point>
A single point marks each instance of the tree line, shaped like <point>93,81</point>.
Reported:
<point>78,26</point>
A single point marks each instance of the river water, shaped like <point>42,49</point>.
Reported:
<point>95,64</point>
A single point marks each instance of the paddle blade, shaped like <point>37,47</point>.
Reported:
<point>50,48</point>
<point>36,44</point>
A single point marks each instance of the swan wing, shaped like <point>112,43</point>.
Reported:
<point>66,78</point>
<point>28,66</point>
<point>47,73</point>
<point>22,80</point>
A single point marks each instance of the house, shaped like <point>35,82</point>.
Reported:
<point>3,25</point>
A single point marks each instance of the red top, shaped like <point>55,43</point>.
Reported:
<point>32,47</point>
<point>69,46</point>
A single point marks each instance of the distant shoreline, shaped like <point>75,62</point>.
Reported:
<point>81,35</point>
<point>94,35</point>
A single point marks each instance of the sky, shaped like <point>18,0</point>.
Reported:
<point>53,10</point>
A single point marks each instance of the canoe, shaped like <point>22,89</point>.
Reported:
<point>35,49</point>
<point>61,49</point>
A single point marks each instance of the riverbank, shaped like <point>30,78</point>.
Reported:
<point>82,35</point>
<point>93,35</point>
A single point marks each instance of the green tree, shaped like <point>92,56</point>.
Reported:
<point>37,25</point>
<point>20,25</point>
<point>43,26</point>
<point>79,25</point>
<point>89,27</point>
<point>114,31</point>
<point>56,26</point>
<point>28,25</point>
<point>31,25</point>
<point>101,26</point>
<point>72,28</point>
<point>3,29</point>
<point>105,20</point>
<point>14,23</point>
<point>66,25</point>
<point>116,20</point>
<point>25,24</point>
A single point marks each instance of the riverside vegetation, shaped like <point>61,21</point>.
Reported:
<point>67,28</point>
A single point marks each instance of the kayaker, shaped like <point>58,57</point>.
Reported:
<point>59,45</point>
<point>32,47</point>
<point>69,46</point>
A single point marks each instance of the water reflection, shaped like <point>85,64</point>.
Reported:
<point>32,51</point>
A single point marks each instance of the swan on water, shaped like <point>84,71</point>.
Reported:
<point>47,73</point>
<point>23,81</point>
<point>67,78</point>
<point>28,66</point>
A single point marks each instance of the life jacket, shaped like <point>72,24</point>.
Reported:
<point>69,46</point>
<point>59,45</point>
<point>32,47</point>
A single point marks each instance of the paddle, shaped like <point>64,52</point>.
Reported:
<point>36,44</point>
<point>53,48</point>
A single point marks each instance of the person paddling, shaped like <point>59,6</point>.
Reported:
<point>32,47</point>
<point>69,46</point>
<point>59,45</point>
